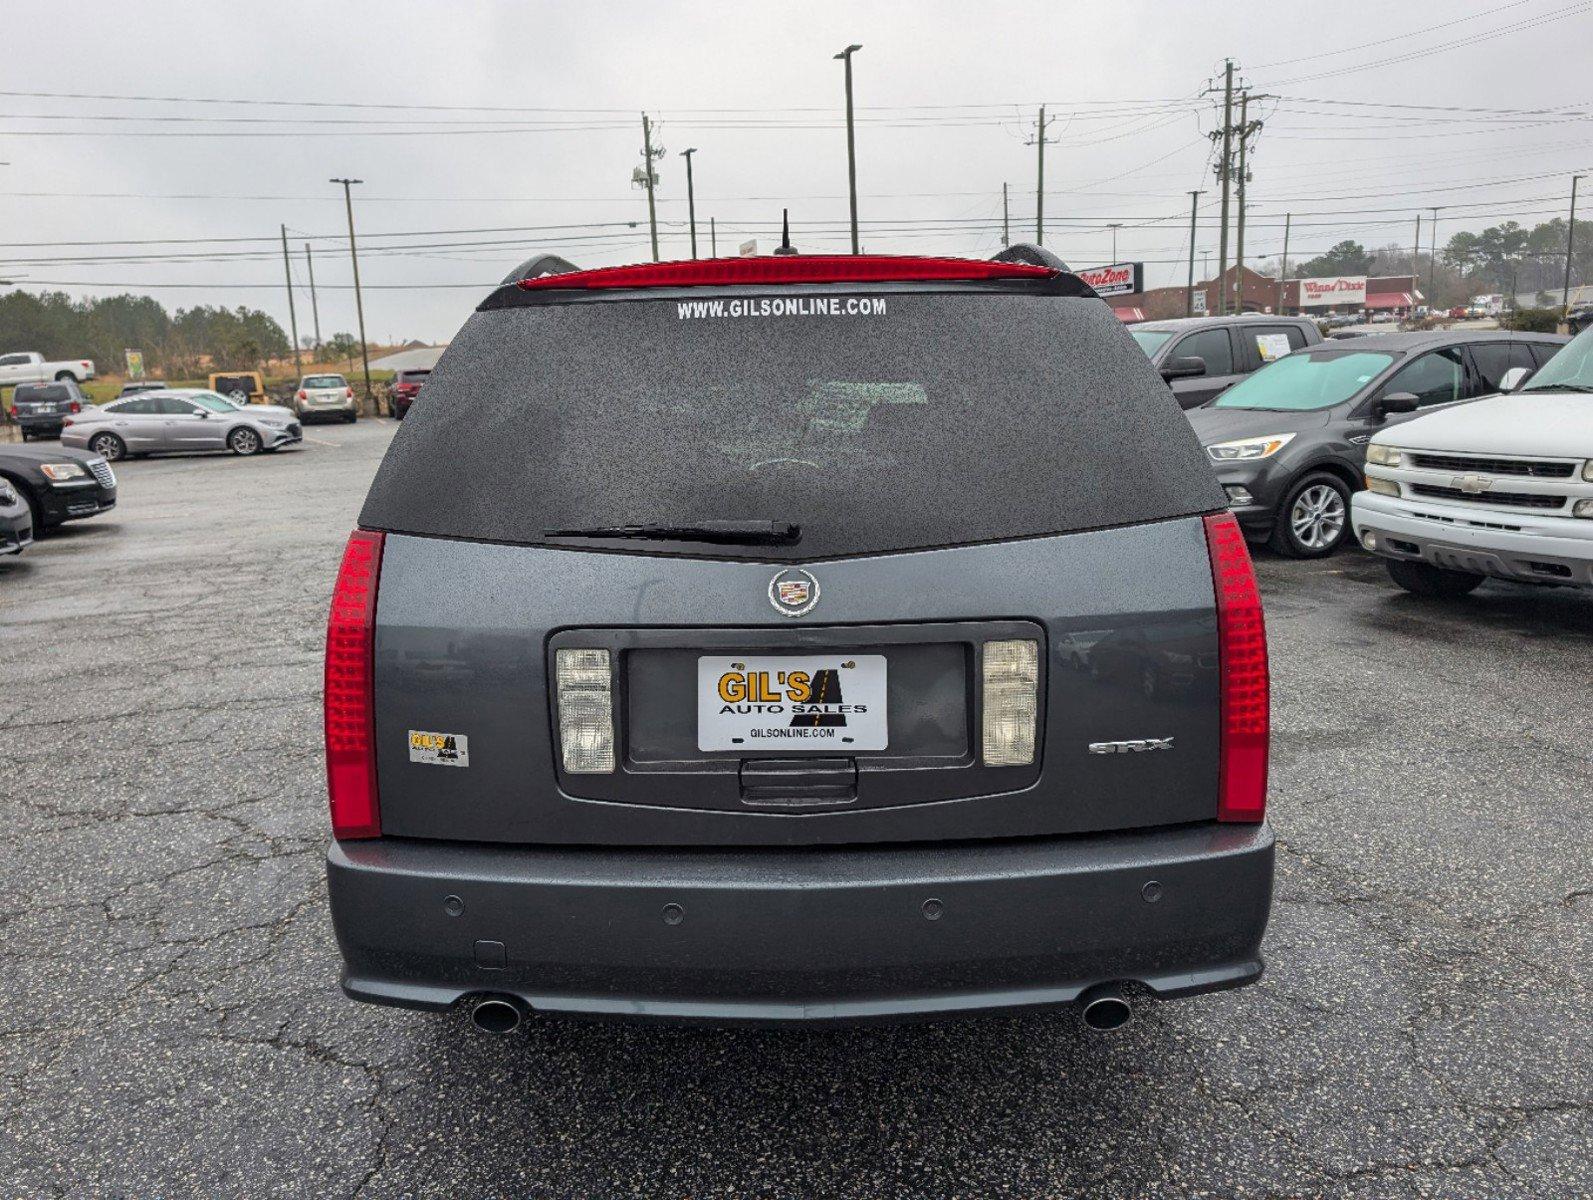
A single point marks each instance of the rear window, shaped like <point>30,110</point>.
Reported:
<point>324,381</point>
<point>413,376</point>
<point>41,391</point>
<point>900,421</point>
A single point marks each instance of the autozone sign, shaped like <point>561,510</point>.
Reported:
<point>1116,280</point>
<point>1344,289</point>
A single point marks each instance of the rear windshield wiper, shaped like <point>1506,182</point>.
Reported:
<point>729,532</point>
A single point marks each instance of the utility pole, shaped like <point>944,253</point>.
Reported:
<point>1224,171</point>
<point>1415,258</point>
<point>354,257</point>
<point>1283,268</point>
<point>1114,226</point>
<point>1189,296</point>
<point>1432,259</point>
<point>647,166</point>
<point>293,319</point>
<point>851,142</point>
<point>1247,130</point>
<point>691,198</point>
<point>1039,139</point>
<point>713,238</point>
<point>315,308</point>
<point>1006,238</point>
<point>1570,245</point>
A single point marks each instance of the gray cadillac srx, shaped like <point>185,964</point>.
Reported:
<point>793,639</point>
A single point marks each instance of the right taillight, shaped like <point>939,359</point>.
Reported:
<point>349,697</point>
<point>1242,674</point>
<point>1010,677</point>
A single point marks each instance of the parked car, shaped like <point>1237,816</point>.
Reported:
<point>134,386</point>
<point>241,387</point>
<point>32,367</point>
<point>1201,357</point>
<point>325,396</point>
<point>730,688</point>
<point>180,419</point>
<point>58,484</point>
<point>16,520</point>
<point>1289,443</point>
<point>40,408</point>
<point>406,389</point>
<point>1501,488</point>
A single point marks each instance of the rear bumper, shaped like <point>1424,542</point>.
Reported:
<point>1538,550</point>
<point>41,424</point>
<point>802,935</point>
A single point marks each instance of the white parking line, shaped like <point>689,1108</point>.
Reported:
<point>321,441</point>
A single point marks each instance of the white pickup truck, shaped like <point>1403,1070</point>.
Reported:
<point>31,367</point>
<point>1501,487</point>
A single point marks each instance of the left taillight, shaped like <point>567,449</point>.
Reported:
<point>349,693</point>
<point>1244,686</point>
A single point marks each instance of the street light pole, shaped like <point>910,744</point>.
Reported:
<point>1114,226</point>
<point>1432,260</point>
<point>1283,267</point>
<point>1189,296</point>
<point>354,258</point>
<point>851,143</point>
<point>1570,245</point>
<point>691,198</point>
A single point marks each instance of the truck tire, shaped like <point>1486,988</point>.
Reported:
<point>1314,518</point>
<point>1424,579</point>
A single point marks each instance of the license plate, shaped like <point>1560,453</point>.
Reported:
<point>830,702</point>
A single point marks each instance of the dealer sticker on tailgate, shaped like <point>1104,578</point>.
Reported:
<point>833,702</point>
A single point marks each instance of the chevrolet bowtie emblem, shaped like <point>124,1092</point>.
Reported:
<point>1473,485</point>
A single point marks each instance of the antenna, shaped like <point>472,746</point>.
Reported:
<point>785,246</point>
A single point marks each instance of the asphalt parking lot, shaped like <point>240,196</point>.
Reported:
<point>170,1022</point>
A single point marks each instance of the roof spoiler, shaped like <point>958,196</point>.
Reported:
<point>1035,256</point>
<point>542,264</point>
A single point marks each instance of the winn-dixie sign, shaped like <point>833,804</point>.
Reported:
<point>1115,280</point>
<point>1320,293</point>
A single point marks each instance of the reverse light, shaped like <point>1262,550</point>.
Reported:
<point>1242,675</point>
<point>793,268</point>
<point>349,695</point>
<point>1011,702</point>
<point>1384,456</point>
<point>584,681</point>
<point>1382,487</point>
<point>59,472</point>
<point>1246,449</point>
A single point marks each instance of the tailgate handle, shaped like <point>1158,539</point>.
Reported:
<point>798,782</point>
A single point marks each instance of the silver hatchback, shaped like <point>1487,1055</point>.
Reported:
<point>179,419</point>
<point>325,396</point>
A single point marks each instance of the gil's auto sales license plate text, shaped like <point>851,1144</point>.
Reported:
<point>831,702</point>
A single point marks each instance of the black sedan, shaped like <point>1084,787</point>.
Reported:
<point>1289,442</point>
<point>58,484</point>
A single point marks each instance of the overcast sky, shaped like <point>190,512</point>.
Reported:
<point>946,96</point>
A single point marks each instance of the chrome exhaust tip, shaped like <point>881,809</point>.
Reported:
<point>1105,1007</point>
<point>496,1015</point>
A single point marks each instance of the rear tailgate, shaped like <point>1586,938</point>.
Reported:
<point>1127,652</point>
